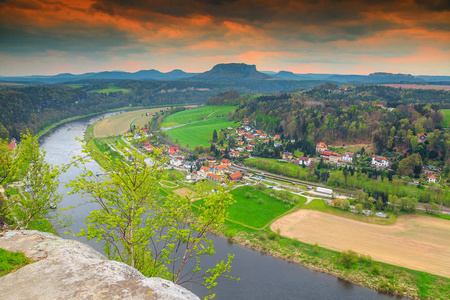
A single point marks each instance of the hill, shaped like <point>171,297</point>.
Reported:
<point>231,72</point>
<point>286,75</point>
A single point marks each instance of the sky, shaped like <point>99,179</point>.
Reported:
<point>48,37</point>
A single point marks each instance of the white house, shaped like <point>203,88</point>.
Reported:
<point>432,178</point>
<point>379,161</point>
<point>347,157</point>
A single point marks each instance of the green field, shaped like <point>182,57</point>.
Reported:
<point>199,133</point>
<point>110,89</point>
<point>196,114</point>
<point>446,122</point>
<point>249,211</point>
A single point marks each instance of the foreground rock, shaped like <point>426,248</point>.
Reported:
<point>67,269</point>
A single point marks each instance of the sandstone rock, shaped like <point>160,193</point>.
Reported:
<point>67,269</point>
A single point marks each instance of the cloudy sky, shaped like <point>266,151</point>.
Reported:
<point>303,36</point>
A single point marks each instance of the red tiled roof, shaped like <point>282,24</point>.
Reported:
<point>235,176</point>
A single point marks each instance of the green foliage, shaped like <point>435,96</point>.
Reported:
<point>316,248</point>
<point>40,180</point>
<point>146,231</point>
<point>273,236</point>
<point>196,114</point>
<point>10,261</point>
<point>348,258</point>
<point>376,269</point>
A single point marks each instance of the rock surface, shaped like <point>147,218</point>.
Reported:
<point>67,269</point>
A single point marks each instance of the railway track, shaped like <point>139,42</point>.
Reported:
<point>269,175</point>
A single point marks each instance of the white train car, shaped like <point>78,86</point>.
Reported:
<point>324,191</point>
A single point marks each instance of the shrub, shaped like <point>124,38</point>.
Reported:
<point>259,186</point>
<point>386,287</point>
<point>262,236</point>
<point>348,258</point>
<point>366,259</point>
<point>248,195</point>
<point>273,236</point>
<point>260,201</point>
<point>316,248</point>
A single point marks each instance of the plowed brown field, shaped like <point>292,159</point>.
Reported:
<point>416,242</point>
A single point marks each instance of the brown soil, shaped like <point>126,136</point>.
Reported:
<point>416,242</point>
<point>183,192</point>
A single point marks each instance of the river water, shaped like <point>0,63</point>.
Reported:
<point>261,276</point>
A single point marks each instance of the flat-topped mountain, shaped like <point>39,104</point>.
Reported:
<point>231,72</point>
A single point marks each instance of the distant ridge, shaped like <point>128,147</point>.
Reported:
<point>287,75</point>
<point>139,75</point>
<point>231,72</point>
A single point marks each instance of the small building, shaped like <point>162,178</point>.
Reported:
<point>235,177</point>
<point>277,137</point>
<point>304,161</point>
<point>173,150</point>
<point>422,137</point>
<point>234,154</point>
<point>324,190</point>
<point>320,147</point>
<point>219,170</point>
<point>432,178</point>
<point>287,155</point>
<point>214,178</point>
<point>12,145</point>
<point>225,162</point>
<point>347,157</point>
<point>379,161</point>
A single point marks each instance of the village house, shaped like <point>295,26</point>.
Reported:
<point>145,131</point>
<point>176,161</point>
<point>235,177</point>
<point>12,145</point>
<point>287,155</point>
<point>432,178</point>
<point>211,159</point>
<point>347,157</point>
<point>422,137</point>
<point>234,154</point>
<point>277,137</point>
<point>148,148</point>
<point>173,150</point>
<point>219,170</point>
<point>379,161</point>
<point>214,178</point>
<point>263,135</point>
<point>203,171</point>
<point>249,148</point>
<point>331,157</point>
<point>304,160</point>
<point>320,147</point>
<point>225,162</point>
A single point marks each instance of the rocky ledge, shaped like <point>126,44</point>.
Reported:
<point>67,269</point>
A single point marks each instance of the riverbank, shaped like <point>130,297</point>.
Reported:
<point>46,129</point>
<point>362,270</point>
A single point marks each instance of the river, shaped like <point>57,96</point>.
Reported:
<point>261,276</point>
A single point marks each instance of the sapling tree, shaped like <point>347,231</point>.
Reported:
<point>154,234</point>
<point>40,180</point>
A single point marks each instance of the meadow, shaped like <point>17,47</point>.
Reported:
<point>414,241</point>
<point>110,89</point>
<point>196,114</point>
<point>446,122</point>
<point>199,133</point>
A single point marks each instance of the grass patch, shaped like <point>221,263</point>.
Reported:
<point>249,210</point>
<point>196,114</point>
<point>42,225</point>
<point>10,261</point>
<point>446,122</point>
<point>320,205</point>
<point>110,89</point>
<point>199,133</point>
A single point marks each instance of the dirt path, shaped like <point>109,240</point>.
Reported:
<point>416,242</point>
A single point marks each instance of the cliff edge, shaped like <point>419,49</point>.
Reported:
<point>68,269</point>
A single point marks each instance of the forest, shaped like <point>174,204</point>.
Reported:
<point>37,106</point>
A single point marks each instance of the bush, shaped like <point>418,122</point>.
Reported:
<point>262,236</point>
<point>348,258</point>
<point>259,186</point>
<point>366,259</point>
<point>376,270</point>
<point>260,201</point>
<point>248,195</point>
<point>386,287</point>
<point>273,236</point>
<point>316,248</point>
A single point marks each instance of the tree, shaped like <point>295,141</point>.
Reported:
<point>146,231</point>
<point>8,163</point>
<point>215,136</point>
<point>359,208</point>
<point>41,181</point>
